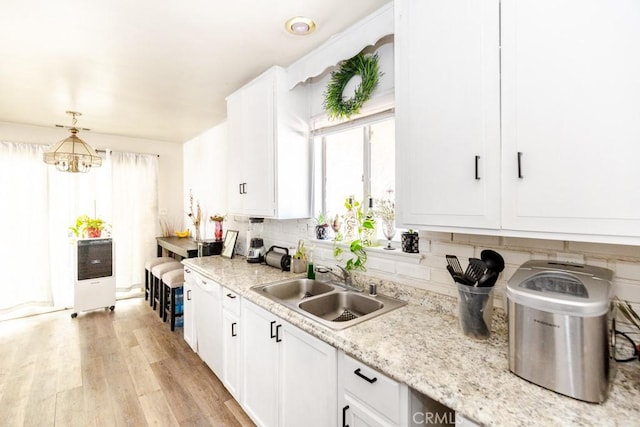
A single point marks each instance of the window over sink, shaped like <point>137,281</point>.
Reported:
<point>355,158</point>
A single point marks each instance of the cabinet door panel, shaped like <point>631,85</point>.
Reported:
<point>570,102</point>
<point>251,158</point>
<point>231,345</point>
<point>260,366</point>
<point>447,113</point>
<point>258,142</point>
<point>308,380</point>
<point>359,415</point>
<point>208,312</point>
<point>188,314</point>
<point>235,155</point>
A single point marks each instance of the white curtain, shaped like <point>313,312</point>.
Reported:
<point>24,222</point>
<point>41,203</point>
<point>135,205</point>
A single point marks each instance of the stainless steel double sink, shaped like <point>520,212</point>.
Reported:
<point>328,303</point>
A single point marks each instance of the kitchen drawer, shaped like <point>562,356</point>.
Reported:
<point>376,390</point>
<point>230,301</point>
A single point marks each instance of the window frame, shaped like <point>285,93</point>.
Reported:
<point>365,123</point>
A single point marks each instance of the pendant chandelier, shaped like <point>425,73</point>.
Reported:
<point>72,154</point>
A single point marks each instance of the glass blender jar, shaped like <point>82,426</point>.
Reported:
<point>255,243</point>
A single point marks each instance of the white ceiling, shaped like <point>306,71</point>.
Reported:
<point>148,68</point>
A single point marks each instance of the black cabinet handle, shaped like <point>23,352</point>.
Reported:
<point>244,188</point>
<point>189,295</point>
<point>186,270</point>
<point>233,329</point>
<point>364,377</point>
<point>240,188</point>
<point>231,296</point>
<point>344,416</point>
<point>278,333</point>
<point>477,161</point>
<point>520,164</point>
<point>272,334</point>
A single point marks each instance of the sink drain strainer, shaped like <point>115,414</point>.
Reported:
<point>307,295</point>
<point>345,316</point>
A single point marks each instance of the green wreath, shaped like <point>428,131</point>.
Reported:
<point>367,68</point>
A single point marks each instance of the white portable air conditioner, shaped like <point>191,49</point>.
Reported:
<point>95,282</point>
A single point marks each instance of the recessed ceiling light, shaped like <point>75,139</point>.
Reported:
<point>300,26</point>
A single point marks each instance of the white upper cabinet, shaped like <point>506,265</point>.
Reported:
<point>564,88</point>
<point>448,113</point>
<point>571,114</point>
<point>269,154</point>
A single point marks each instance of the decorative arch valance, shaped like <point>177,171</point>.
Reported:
<point>339,47</point>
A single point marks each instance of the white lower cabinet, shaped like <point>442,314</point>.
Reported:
<point>369,398</point>
<point>208,322</point>
<point>232,368</point>
<point>188,315</point>
<point>289,376</point>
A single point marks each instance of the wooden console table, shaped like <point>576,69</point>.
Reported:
<point>186,247</point>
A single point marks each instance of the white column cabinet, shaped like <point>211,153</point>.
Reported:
<point>447,113</point>
<point>268,156</point>
<point>188,313</point>
<point>289,377</point>
<point>571,116</point>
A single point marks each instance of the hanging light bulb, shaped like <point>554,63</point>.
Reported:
<point>72,154</point>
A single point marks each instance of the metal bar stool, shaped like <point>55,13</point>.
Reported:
<point>157,272</point>
<point>148,289</point>
<point>173,282</point>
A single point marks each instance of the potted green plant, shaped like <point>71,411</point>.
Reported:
<point>299,258</point>
<point>322,226</point>
<point>356,223</point>
<point>410,242</point>
<point>88,227</point>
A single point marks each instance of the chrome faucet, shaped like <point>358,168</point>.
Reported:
<point>346,279</point>
<point>346,275</point>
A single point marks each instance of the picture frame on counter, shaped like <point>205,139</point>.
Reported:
<point>229,245</point>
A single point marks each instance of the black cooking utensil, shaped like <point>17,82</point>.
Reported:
<point>457,277</point>
<point>475,270</point>
<point>488,279</point>
<point>452,260</point>
<point>493,260</point>
<point>455,269</point>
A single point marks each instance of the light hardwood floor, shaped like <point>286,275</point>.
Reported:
<point>107,369</point>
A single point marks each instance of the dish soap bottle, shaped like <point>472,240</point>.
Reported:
<point>311,273</point>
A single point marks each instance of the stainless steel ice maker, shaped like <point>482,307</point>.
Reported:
<point>561,325</point>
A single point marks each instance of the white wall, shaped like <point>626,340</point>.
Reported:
<point>170,171</point>
<point>205,174</point>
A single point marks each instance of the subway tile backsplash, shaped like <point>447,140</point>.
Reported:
<point>428,269</point>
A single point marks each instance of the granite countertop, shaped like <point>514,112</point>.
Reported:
<point>421,345</point>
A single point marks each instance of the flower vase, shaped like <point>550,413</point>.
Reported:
<point>218,232</point>
<point>198,238</point>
